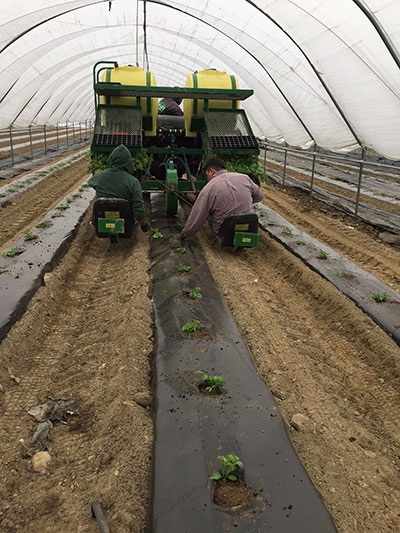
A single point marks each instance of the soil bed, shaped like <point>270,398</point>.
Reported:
<point>86,335</point>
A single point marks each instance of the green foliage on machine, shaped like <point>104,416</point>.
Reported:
<point>98,161</point>
<point>141,160</point>
<point>245,164</point>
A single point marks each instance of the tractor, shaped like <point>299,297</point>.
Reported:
<point>168,151</point>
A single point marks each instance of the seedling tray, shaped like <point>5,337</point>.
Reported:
<point>192,429</point>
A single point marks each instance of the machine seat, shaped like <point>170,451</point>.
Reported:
<point>112,217</point>
<point>239,231</point>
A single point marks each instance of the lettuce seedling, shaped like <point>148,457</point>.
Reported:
<point>213,382</point>
<point>183,268</point>
<point>378,296</point>
<point>230,463</point>
<point>189,327</point>
<point>196,293</point>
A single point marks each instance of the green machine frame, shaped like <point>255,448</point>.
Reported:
<point>172,185</point>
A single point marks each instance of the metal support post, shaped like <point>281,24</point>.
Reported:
<point>30,140</point>
<point>265,159</point>
<point>284,168</point>
<point>363,152</point>
<point>66,131</point>
<point>11,147</point>
<point>73,132</point>
<point>57,134</point>
<point>312,173</point>
<point>45,139</point>
<point>80,131</point>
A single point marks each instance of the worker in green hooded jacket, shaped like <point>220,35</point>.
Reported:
<point>118,181</point>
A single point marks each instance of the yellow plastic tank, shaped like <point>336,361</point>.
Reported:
<point>207,79</point>
<point>133,76</point>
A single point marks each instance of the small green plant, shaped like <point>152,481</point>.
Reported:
<point>29,236</point>
<point>230,464</point>
<point>81,189</point>
<point>322,255</point>
<point>62,207</point>
<point>10,190</point>
<point>10,253</point>
<point>183,268</point>
<point>189,327</point>
<point>74,196</point>
<point>20,185</point>
<point>378,296</point>
<point>68,200</point>
<point>344,274</point>
<point>262,214</point>
<point>156,234</point>
<point>195,294</point>
<point>181,250</point>
<point>85,185</point>
<point>213,382</point>
<point>44,225</point>
<point>300,243</point>
<point>287,230</point>
<point>271,223</point>
<point>29,181</point>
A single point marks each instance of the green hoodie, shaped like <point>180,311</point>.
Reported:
<point>118,181</point>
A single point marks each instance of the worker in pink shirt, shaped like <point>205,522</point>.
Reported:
<point>226,194</point>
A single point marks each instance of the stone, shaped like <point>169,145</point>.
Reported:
<point>300,422</point>
<point>143,398</point>
<point>389,238</point>
<point>40,462</point>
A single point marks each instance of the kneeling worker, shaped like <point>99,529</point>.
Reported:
<point>118,181</point>
<point>225,194</point>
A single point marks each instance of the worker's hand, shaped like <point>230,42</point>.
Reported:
<point>182,235</point>
<point>145,227</point>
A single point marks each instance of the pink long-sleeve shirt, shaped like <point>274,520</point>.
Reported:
<point>226,194</point>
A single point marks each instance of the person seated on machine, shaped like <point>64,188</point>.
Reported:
<point>225,194</point>
<point>118,181</point>
<point>170,106</point>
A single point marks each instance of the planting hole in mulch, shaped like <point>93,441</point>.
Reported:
<point>232,495</point>
<point>217,391</point>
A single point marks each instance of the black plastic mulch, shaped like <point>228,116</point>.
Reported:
<point>191,429</point>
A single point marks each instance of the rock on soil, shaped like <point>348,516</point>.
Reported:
<point>40,462</point>
<point>300,422</point>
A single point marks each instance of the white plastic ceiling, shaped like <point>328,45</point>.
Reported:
<point>321,71</point>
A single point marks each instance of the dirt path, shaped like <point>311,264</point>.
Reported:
<point>324,359</point>
<point>87,336</point>
<point>33,204</point>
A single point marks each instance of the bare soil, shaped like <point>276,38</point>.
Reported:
<point>87,335</point>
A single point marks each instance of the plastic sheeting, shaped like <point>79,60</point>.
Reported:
<point>321,71</point>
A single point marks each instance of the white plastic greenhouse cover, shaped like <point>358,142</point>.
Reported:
<point>323,71</point>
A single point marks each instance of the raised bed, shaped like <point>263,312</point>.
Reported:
<point>22,274</point>
<point>355,282</point>
<point>192,429</point>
